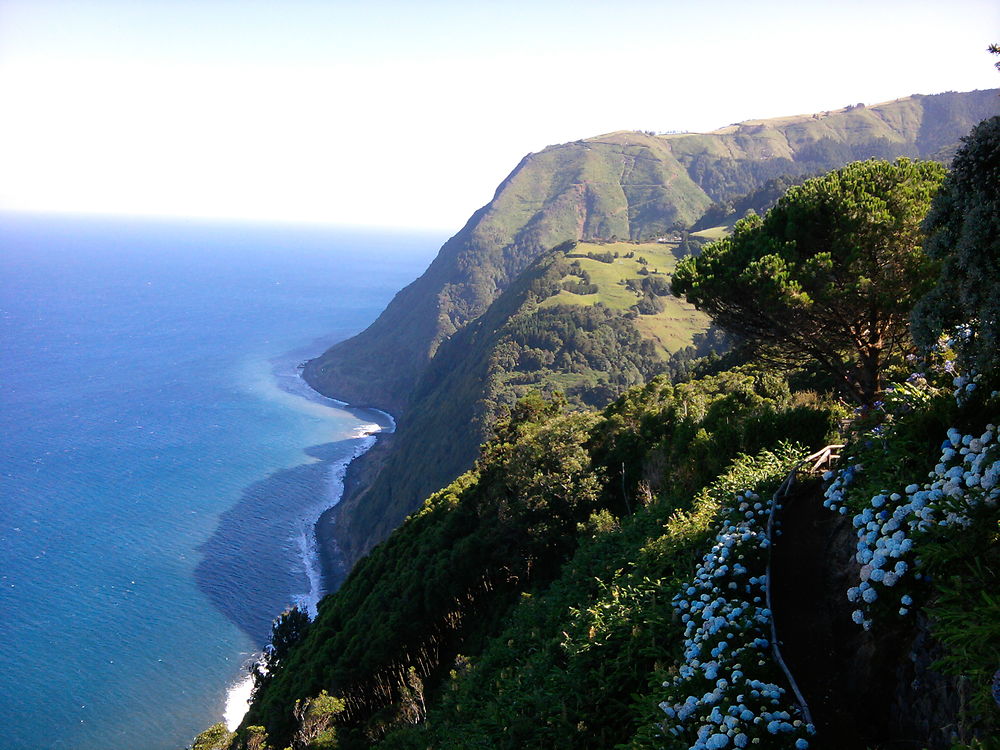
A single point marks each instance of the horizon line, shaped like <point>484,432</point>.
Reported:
<point>302,222</point>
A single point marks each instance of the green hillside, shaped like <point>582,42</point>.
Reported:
<point>620,287</point>
<point>630,189</point>
<point>626,185</point>
<point>536,337</point>
<point>623,187</point>
<point>739,158</point>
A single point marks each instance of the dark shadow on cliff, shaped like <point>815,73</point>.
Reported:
<point>865,689</point>
<point>251,567</point>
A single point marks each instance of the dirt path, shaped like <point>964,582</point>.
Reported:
<point>845,674</point>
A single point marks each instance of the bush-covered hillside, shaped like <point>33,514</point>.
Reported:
<point>536,337</point>
<point>558,507</point>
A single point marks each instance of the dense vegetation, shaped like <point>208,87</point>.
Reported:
<point>560,507</point>
<point>536,337</point>
<point>598,579</point>
<point>829,275</point>
<point>964,234</point>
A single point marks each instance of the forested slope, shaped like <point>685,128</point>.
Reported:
<point>535,337</point>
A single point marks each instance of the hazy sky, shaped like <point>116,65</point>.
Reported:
<point>411,113</point>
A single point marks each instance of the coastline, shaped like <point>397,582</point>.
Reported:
<point>345,480</point>
<point>335,564</point>
<point>325,565</point>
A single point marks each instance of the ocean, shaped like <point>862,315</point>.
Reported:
<point>161,462</point>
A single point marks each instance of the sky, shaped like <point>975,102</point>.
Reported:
<point>410,113</point>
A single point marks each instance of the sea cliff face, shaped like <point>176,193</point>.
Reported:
<point>627,185</point>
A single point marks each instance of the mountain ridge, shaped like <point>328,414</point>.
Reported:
<point>548,199</point>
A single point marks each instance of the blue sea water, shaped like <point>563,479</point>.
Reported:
<point>160,462</point>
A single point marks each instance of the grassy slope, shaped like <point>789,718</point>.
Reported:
<point>728,161</point>
<point>713,233</point>
<point>671,329</point>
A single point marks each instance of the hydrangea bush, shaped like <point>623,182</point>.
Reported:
<point>928,529</point>
<point>726,693</point>
<point>964,487</point>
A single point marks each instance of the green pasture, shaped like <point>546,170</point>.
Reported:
<point>671,329</point>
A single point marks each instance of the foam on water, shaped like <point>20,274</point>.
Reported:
<point>305,539</point>
<point>237,702</point>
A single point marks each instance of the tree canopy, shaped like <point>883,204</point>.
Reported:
<point>287,630</point>
<point>829,275</point>
<point>964,233</point>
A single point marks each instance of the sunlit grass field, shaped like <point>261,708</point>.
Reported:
<point>713,233</point>
<point>671,329</point>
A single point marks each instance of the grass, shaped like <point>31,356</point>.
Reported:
<point>671,329</point>
<point>713,233</point>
